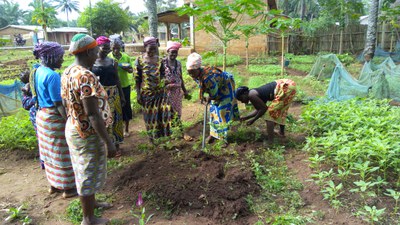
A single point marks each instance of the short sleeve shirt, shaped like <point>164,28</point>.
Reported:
<point>48,86</point>
<point>79,83</point>
<point>123,75</point>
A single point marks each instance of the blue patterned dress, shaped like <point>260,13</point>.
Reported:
<point>220,86</point>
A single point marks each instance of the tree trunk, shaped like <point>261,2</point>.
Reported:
<point>303,9</point>
<point>369,49</point>
<point>67,19</point>
<point>341,41</point>
<point>247,53</point>
<point>283,55</point>
<point>224,56</point>
<point>44,26</point>
<point>383,35</point>
<point>151,6</point>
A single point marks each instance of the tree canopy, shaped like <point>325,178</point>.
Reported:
<point>105,17</point>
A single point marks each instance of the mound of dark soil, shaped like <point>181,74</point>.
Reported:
<point>197,182</point>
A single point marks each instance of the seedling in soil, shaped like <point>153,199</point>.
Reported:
<point>364,189</point>
<point>332,192</point>
<point>18,214</point>
<point>396,196</point>
<point>320,177</point>
<point>371,214</point>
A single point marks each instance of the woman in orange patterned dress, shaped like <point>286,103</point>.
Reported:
<point>280,93</point>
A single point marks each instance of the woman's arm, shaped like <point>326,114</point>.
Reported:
<point>121,93</point>
<point>61,109</point>
<point>91,107</point>
<point>138,80</point>
<point>258,104</point>
<point>183,83</point>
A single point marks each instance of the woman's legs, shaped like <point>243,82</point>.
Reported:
<point>270,130</point>
<point>88,204</point>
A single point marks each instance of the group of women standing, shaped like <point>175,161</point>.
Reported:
<point>83,115</point>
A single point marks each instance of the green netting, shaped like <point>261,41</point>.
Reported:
<point>10,98</point>
<point>324,66</point>
<point>375,80</point>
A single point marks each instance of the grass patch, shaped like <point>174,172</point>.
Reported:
<point>279,202</point>
<point>231,60</point>
<point>301,66</point>
<point>74,212</point>
<point>268,70</point>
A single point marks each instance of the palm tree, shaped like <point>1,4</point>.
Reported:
<point>369,49</point>
<point>67,6</point>
<point>151,6</point>
<point>10,13</point>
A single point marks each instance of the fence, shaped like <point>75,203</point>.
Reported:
<point>328,40</point>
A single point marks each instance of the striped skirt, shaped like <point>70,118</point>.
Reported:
<point>88,156</point>
<point>157,115</point>
<point>53,149</point>
<point>284,94</point>
<point>116,131</point>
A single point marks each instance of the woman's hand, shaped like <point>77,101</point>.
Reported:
<point>139,100</point>
<point>111,150</point>
<point>123,102</point>
<point>250,122</point>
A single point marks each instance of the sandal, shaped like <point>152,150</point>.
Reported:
<point>210,139</point>
<point>70,193</point>
<point>53,190</point>
<point>126,134</point>
<point>187,138</point>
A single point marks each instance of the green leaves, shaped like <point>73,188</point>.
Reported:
<point>16,132</point>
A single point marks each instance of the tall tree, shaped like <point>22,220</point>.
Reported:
<point>369,49</point>
<point>222,19</point>
<point>67,6</point>
<point>10,13</point>
<point>151,6</point>
<point>105,17</point>
<point>43,14</point>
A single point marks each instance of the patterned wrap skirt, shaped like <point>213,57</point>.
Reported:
<point>223,112</point>
<point>285,92</point>
<point>157,115</point>
<point>116,131</point>
<point>53,148</point>
<point>88,158</point>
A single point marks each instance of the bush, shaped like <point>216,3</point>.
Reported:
<point>17,132</point>
<point>266,70</point>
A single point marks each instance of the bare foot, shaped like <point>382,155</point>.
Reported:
<point>95,221</point>
<point>104,205</point>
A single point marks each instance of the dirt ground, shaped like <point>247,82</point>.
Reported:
<point>195,188</point>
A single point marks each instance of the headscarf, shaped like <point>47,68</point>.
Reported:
<point>102,40</point>
<point>193,61</point>
<point>48,52</point>
<point>81,43</point>
<point>172,45</point>
<point>241,90</point>
<point>115,39</point>
<point>150,41</point>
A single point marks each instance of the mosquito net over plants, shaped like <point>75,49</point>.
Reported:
<point>379,52</point>
<point>375,80</point>
<point>10,98</point>
<point>324,66</point>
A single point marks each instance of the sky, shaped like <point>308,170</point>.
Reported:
<point>134,6</point>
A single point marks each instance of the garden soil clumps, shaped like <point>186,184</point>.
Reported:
<point>196,182</point>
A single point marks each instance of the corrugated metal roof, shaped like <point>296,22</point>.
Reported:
<point>39,28</point>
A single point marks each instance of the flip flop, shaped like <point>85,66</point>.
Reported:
<point>69,193</point>
<point>103,205</point>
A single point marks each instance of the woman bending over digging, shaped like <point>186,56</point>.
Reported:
<point>280,92</point>
<point>220,87</point>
